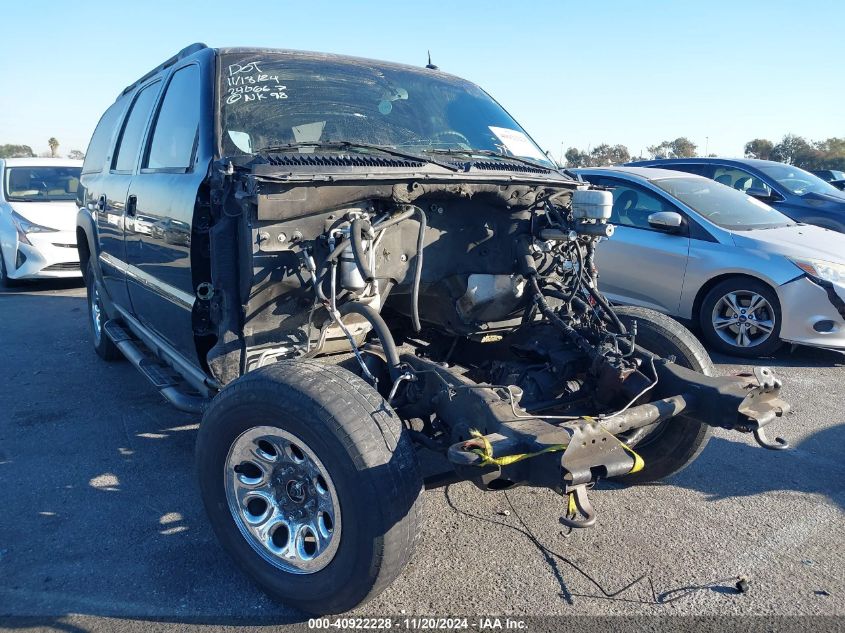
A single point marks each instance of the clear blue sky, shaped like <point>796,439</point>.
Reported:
<point>573,73</point>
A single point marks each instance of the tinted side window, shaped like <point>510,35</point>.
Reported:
<point>98,148</point>
<point>175,131</point>
<point>133,129</point>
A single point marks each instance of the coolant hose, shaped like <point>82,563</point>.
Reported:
<point>382,332</point>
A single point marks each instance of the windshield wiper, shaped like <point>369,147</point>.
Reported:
<point>485,152</point>
<point>347,145</point>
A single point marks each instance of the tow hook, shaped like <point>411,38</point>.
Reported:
<point>762,405</point>
<point>591,449</point>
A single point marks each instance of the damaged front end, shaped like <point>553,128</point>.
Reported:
<point>472,305</point>
<point>451,266</point>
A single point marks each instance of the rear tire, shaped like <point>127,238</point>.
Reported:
<point>345,430</point>
<point>97,317</point>
<point>676,443</point>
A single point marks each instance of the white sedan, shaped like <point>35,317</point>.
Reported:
<point>38,218</point>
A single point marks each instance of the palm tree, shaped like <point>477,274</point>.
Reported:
<point>54,145</point>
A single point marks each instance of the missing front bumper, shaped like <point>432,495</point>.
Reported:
<point>571,456</point>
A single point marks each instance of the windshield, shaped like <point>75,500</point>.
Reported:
<point>799,181</point>
<point>723,206</point>
<point>41,184</point>
<point>272,99</point>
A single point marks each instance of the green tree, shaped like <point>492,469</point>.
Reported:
<point>16,151</point>
<point>599,156</point>
<point>759,148</point>
<point>796,150</point>
<point>75,154</point>
<point>832,153</point>
<point>54,146</point>
<point>605,154</point>
<point>681,147</point>
<point>576,158</point>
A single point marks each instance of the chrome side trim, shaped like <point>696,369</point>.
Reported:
<point>171,293</point>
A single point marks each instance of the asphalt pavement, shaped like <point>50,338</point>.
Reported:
<point>101,522</point>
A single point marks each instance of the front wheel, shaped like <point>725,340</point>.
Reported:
<point>311,484</point>
<point>670,446</point>
<point>741,316</point>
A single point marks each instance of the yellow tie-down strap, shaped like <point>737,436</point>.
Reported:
<point>485,452</point>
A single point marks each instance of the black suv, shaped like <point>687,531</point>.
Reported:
<point>796,193</point>
<point>340,263</point>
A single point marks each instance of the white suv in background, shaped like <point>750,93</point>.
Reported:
<point>38,218</point>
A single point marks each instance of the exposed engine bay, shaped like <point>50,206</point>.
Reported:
<point>473,306</point>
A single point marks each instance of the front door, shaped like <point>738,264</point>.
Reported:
<point>163,195</point>
<point>641,265</point>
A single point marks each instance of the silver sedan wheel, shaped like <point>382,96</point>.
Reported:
<point>743,318</point>
<point>283,500</point>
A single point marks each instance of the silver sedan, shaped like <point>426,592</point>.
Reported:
<point>698,250</point>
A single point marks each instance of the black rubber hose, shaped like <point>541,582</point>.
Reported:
<point>320,277</point>
<point>415,290</point>
<point>570,332</point>
<point>358,226</point>
<point>605,306</point>
<point>580,280</point>
<point>382,332</point>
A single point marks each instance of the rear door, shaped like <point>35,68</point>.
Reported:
<point>108,193</point>
<point>161,199</point>
<point>641,265</point>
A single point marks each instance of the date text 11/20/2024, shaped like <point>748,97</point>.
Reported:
<point>419,623</point>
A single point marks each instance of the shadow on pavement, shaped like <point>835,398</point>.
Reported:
<point>734,469</point>
<point>101,514</point>
<point>800,356</point>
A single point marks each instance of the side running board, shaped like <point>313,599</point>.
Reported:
<point>166,380</point>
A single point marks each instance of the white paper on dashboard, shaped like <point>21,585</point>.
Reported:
<point>516,142</point>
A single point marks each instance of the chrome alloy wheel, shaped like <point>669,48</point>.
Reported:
<point>282,499</point>
<point>743,318</point>
<point>96,314</point>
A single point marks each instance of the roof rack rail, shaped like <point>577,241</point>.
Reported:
<point>188,50</point>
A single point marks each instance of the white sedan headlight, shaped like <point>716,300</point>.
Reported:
<point>829,271</point>
<point>24,226</point>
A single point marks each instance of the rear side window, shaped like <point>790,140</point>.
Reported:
<point>98,148</point>
<point>133,130</point>
<point>175,131</point>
